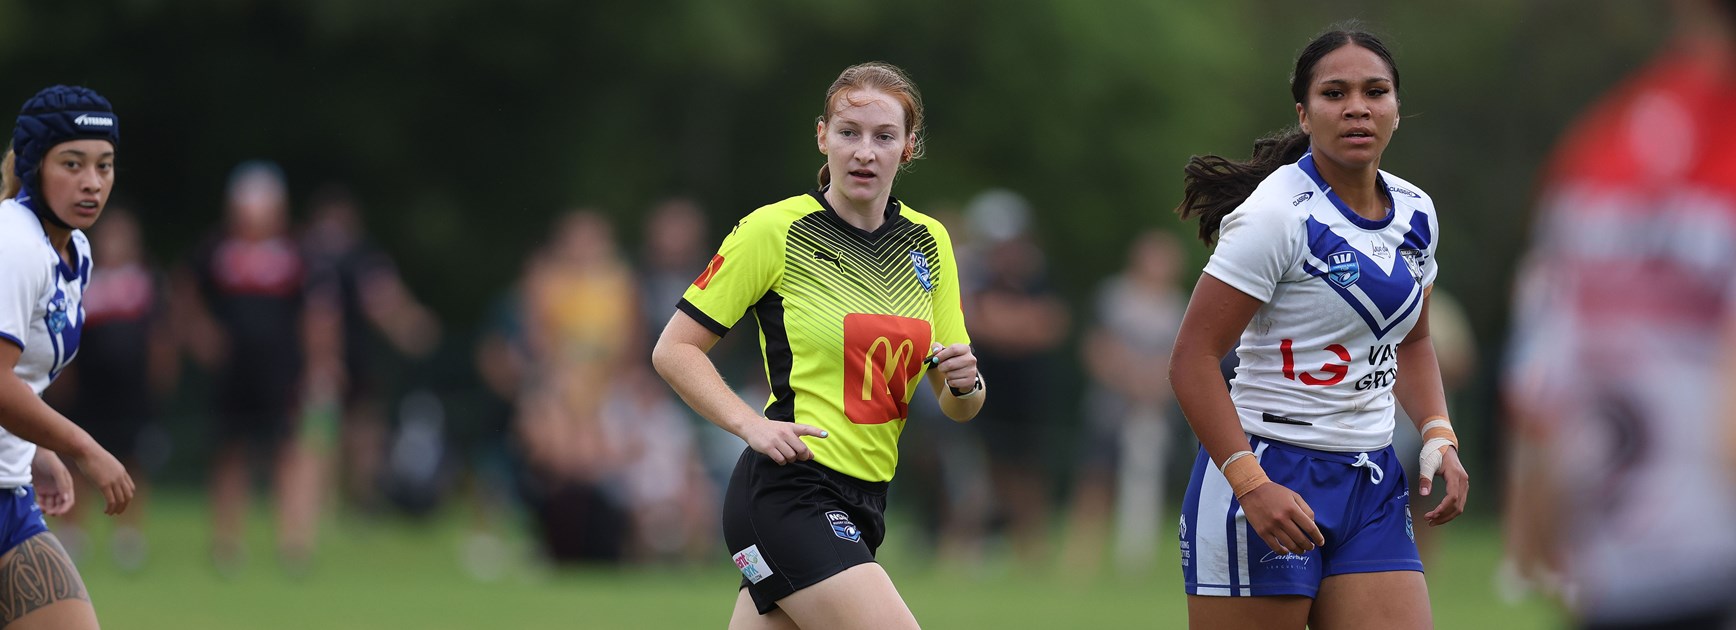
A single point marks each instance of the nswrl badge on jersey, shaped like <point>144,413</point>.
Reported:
<point>1342,269</point>
<point>920,263</point>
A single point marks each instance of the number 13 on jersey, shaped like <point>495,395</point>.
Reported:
<point>882,357</point>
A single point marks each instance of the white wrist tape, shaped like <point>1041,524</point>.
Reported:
<point>1430,460</point>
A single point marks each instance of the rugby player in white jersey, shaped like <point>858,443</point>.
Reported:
<point>1296,512</point>
<point>57,178</point>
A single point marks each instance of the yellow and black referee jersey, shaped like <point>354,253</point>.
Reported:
<point>846,318</point>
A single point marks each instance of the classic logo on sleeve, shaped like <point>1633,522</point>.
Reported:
<point>752,565</point>
<point>710,272</point>
<point>842,527</point>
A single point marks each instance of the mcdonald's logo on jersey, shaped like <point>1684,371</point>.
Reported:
<point>710,272</point>
<point>882,358</point>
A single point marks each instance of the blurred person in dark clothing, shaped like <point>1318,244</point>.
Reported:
<point>252,308</point>
<point>1129,410</point>
<point>126,354</point>
<point>371,297</point>
<point>1623,348</point>
<point>674,246</point>
<point>1019,324</point>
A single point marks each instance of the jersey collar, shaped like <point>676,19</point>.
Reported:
<point>892,209</point>
<point>1307,166</point>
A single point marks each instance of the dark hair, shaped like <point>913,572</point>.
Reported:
<point>884,77</point>
<point>1213,186</point>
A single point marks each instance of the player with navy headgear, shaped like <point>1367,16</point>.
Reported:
<point>58,176</point>
<point>1322,273</point>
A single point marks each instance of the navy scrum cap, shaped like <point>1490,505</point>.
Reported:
<point>55,115</point>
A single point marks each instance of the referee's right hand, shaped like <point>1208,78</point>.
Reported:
<point>781,441</point>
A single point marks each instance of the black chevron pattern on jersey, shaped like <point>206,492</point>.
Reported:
<point>837,269</point>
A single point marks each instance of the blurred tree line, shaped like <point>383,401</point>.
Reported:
<point>466,125</point>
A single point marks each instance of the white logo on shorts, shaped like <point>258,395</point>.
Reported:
<point>753,566</point>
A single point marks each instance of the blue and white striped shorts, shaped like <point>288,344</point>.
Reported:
<point>1359,502</point>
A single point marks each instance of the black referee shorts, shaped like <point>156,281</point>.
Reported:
<point>789,527</point>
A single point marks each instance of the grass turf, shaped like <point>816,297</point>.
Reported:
<point>398,574</point>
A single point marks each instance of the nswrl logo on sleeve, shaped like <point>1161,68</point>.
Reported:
<point>920,263</point>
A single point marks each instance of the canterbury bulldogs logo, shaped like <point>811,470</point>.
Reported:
<point>1343,269</point>
<point>1405,192</point>
<point>1298,199</point>
<point>842,527</point>
<point>1413,259</point>
<point>920,263</point>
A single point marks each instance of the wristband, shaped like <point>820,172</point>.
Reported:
<point>1439,428</point>
<point>975,388</point>
<point>1244,473</point>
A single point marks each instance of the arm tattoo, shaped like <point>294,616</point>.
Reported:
<point>35,574</point>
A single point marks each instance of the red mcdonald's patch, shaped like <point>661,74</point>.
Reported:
<point>710,272</point>
<point>882,355</point>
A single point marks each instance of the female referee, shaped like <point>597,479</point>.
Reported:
<point>1322,272</point>
<point>855,294</point>
<point>57,178</point>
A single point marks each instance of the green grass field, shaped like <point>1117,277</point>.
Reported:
<point>392,574</point>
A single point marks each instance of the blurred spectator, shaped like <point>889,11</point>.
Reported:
<point>371,298</point>
<point>1017,325</point>
<point>1129,416</point>
<point>251,311</point>
<point>952,513</point>
<point>126,364</point>
<point>1624,347</point>
<point>675,251</point>
<point>581,315</point>
<point>669,498</point>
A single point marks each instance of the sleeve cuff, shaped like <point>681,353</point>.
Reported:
<point>15,341</point>
<point>691,311</point>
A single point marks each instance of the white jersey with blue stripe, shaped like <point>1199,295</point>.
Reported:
<point>1319,357</point>
<point>41,311</point>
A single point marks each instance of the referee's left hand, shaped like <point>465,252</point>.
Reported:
<point>1458,487</point>
<point>957,364</point>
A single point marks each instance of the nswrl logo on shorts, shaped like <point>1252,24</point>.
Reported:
<point>842,527</point>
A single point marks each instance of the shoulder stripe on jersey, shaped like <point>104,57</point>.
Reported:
<point>710,324</point>
<point>1419,236</point>
<point>1307,165</point>
<point>779,360</point>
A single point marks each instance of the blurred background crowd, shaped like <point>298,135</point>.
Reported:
<point>380,261</point>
